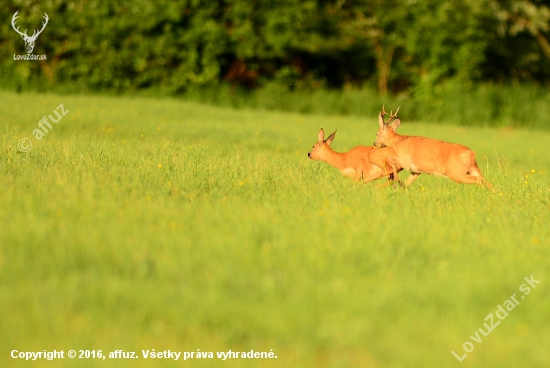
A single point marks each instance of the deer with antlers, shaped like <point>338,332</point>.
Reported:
<point>421,155</point>
<point>29,40</point>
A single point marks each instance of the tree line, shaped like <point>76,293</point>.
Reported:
<point>395,46</point>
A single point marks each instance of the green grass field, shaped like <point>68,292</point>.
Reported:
<point>142,224</point>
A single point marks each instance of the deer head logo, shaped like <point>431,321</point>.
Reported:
<point>29,40</point>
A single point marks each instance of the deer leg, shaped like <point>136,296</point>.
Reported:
<point>467,179</point>
<point>412,177</point>
<point>394,172</point>
<point>391,179</point>
<point>472,176</point>
<point>475,172</point>
<point>383,185</point>
<point>358,173</point>
<point>472,179</point>
<point>376,173</point>
<point>481,180</point>
<point>488,185</point>
<point>373,174</point>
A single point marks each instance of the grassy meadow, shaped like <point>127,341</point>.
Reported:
<point>142,223</point>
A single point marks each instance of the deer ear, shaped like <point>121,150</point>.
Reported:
<point>321,135</point>
<point>330,138</point>
<point>396,124</point>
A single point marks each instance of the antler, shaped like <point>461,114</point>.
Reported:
<point>35,35</point>
<point>24,34</point>
<point>393,116</point>
<point>15,16</point>
<point>381,115</point>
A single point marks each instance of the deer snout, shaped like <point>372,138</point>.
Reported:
<point>309,154</point>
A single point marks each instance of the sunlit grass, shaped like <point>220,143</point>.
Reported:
<point>156,223</point>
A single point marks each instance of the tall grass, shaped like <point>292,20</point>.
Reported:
<point>160,224</point>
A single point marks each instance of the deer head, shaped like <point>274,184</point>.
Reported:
<point>29,40</point>
<point>322,148</point>
<point>386,133</point>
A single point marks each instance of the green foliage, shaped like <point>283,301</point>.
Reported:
<point>160,224</point>
<point>122,46</point>
<point>180,46</point>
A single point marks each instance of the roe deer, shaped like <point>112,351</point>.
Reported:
<point>422,155</point>
<point>368,163</point>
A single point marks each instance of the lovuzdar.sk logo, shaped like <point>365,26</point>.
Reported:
<point>29,40</point>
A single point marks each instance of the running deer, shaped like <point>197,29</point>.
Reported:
<point>421,155</point>
<point>368,163</point>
